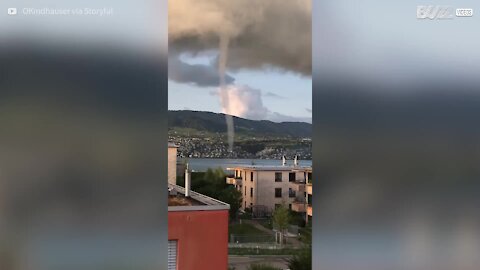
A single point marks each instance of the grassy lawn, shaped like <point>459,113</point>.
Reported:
<point>267,223</point>
<point>247,233</point>
<point>244,229</point>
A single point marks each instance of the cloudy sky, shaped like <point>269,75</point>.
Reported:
<point>263,47</point>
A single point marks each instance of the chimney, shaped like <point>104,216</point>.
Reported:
<point>284,161</point>
<point>188,179</point>
<point>295,160</point>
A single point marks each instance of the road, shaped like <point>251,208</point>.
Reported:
<point>243,262</point>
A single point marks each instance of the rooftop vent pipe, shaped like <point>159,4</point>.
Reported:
<point>188,179</point>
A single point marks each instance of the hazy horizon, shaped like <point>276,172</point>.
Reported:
<point>299,121</point>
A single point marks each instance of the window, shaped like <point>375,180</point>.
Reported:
<point>278,192</point>
<point>172,255</point>
<point>291,177</point>
<point>245,204</point>
<point>245,190</point>
<point>290,206</point>
<point>291,193</point>
<point>251,192</point>
<point>251,176</point>
<point>278,177</point>
<point>309,177</point>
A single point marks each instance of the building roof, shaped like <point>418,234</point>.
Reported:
<point>195,202</point>
<point>305,169</point>
<point>271,168</point>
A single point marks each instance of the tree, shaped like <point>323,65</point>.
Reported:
<point>212,182</point>
<point>297,218</point>
<point>302,260</point>
<point>233,197</point>
<point>281,220</point>
<point>306,235</point>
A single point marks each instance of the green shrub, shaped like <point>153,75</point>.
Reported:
<point>302,260</point>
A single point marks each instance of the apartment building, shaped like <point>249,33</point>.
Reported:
<point>267,187</point>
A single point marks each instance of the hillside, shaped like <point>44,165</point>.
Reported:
<point>215,123</point>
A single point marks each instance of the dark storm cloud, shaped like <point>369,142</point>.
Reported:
<point>196,74</point>
<point>262,34</point>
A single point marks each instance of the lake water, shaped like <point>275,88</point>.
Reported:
<point>202,164</point>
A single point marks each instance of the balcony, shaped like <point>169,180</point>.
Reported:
<point>299,206</point>
<point>234,181</point>
<point>309,189</point>
<point>298,186</point>
<point>309,210</point>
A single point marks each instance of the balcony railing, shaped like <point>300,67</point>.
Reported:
<point>234,181</point>
<point>298,181</point>
<point>297,186</point>
<point>299,206</point>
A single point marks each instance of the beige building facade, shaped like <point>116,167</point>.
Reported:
<point>266,187</point>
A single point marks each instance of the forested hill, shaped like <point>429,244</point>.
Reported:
<point>215,122</point>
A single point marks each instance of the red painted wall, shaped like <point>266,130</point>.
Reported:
<point>202,239</point>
